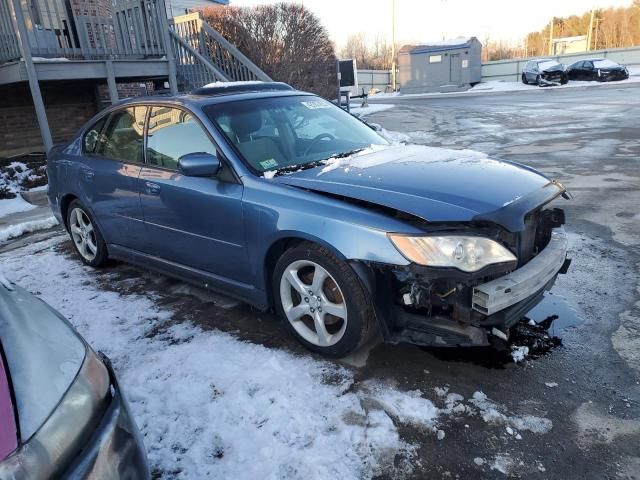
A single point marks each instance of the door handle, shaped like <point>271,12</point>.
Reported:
<point>152,188</point>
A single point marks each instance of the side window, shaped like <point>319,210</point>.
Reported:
<point>173,133</point>
<point>92,137</point>
<point>588,65</point>
<point>122,138</point>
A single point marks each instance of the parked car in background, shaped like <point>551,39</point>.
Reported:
<point>284,200</point>
<point>598,69</point>
<point>544,72</point>
<point>62,414</point>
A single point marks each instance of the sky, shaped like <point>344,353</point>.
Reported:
<point>426,20</point>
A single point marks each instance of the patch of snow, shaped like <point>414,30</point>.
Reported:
<point>230,84</point>
<point>492,413</point>
<point>54,59</point>
<point>519,353</point>
<point>440,435</point>
<point>605,63</point>
<point>547,64</point>
<point>18,229</point>
<point>394,138</point>
<point>4,282</point>
<point>478,461</point>
<point>408,407</point>
<point>14,205</point>
<point>270,174</point>
<point>551,384</point>
<point>503,464</point>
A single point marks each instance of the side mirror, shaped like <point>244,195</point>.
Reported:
<point>199,165</point>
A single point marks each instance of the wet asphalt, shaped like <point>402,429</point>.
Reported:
<point>590,140</point>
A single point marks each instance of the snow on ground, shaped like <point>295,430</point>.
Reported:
<point>18,229</point>
<point>211,405</point>
<point>14,205</point>
<point>371,108</point>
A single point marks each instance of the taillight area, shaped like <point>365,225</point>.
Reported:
<point>8,432</point>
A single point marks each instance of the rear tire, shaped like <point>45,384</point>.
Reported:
<point>322,301</point>
<point>85,235</point>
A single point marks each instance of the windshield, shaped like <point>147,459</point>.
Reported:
<point>604,63</point>
<point>297,131</point>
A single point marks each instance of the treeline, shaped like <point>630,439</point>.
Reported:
<point>611,28</point>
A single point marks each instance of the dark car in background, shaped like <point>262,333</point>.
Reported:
<point>284,200</point>
<point>62,414</point>
<point>598,69</point>
<point>544,72</point>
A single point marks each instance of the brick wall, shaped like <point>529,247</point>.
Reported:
<point>69,105</point>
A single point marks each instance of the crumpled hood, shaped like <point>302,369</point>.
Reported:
<point>435,184</point>
<point>556,68</point>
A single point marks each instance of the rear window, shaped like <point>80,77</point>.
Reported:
<point>43,355</point>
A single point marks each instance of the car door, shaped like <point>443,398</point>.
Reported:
<point>193,221</point>
<point>588,72</point>
<point>112,161</point>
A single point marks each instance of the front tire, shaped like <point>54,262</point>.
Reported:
<point>85,235</point>
<point>322,301</point>
<point>524,79</point>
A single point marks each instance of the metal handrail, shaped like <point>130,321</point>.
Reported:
<point>194,69</point>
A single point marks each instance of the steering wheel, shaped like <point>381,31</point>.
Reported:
<point>316,140</point>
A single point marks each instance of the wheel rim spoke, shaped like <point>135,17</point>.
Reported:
<point>295,313</point>
<point>83,234</point>
<point>293,279</point>
<point>335,309</point>
<point>319,276</point>
<point>324,337</point>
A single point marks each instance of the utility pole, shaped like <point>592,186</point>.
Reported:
<point>595,46</point>
<point>590,32</point>
<point>551,37</point>
<point>393,45</point>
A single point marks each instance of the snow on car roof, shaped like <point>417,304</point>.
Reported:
<point>544,64</point>
<point>604,63</point>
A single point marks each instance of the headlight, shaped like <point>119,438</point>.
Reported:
<point>468,254</point>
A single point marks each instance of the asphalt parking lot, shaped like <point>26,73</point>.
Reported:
<point>587,389</point>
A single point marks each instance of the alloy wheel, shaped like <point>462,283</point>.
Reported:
<point>313,303</point>
<point>83,234</point>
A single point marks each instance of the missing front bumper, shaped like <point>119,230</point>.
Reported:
<point>503,292</point>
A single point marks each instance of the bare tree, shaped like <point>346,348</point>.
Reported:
<point>285,40</point>
<point>373,54</point>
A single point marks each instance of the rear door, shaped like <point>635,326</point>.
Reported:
<point>113,159</point>
<point>455,67</point>
<point>193,221</point>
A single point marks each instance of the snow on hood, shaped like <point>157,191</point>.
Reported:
<point>230,84</point>
<point>410,153</point>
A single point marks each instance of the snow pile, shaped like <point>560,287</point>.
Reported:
<point>17,176</point>
<point>14,231</point>
<point>495,414</point>
<point>407,407</point>
<point>14,205</point>
<point>381,154</point>
<point>372,108</point>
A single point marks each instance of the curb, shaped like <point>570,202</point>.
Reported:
<point>39,197</point>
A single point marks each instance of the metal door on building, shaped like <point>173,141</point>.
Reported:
<point>455,68</point>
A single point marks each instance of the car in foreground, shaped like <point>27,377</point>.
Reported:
<point>285,201</point>
<point>598,69</point>
<point>62,413</point>
<point>544,72</point>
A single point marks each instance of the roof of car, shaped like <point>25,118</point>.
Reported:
<point>221,93</point>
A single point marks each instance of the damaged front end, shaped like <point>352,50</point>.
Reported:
<point>444,306</point>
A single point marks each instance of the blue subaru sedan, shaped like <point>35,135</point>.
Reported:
<point>285,201</point>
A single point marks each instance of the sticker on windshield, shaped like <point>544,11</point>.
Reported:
<point>316,104</point>
<point>270,163</point>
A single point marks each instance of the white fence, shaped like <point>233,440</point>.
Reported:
<point>511,70</point>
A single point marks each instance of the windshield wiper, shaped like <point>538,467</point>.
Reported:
<point>316,163</point>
